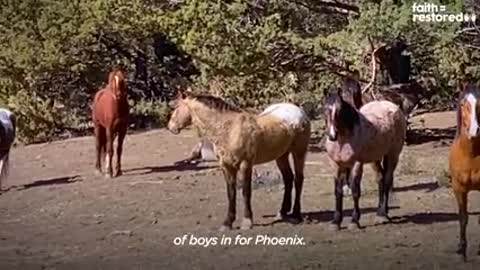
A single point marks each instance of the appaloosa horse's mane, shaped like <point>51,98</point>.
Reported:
<point>215,102</point>
<point>466,88</point>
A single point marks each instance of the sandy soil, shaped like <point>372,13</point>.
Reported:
<point>56,214</point>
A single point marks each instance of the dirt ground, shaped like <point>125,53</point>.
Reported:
<point>56,214</point>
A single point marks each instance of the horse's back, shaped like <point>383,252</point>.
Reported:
<point>385,125</point>
<point>289,114</point>
<point>384,114</point>
<point>280,124</point>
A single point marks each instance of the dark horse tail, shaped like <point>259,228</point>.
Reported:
<point>5,152</point>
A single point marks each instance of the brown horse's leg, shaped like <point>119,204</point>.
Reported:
<point>246,178</point>
<point>380,179</point>
<point>462,201</point>
<point>99,147</point>
<point>389,165</point>
<point>287,175</point>
<point>109,153</point>
<point>230,176</point>
<point>338,189</point>
<point>357,172</point>
<point>121,136</point>
<point>299,157</point>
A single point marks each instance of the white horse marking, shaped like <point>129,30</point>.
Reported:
<point>291,114</point>
<point>473,129</point>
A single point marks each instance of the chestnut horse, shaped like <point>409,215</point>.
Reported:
<point>464,156</point>
<point>242,139</point>
<point>110,118</point>
<point>374,134</point>
<point>7,137</point>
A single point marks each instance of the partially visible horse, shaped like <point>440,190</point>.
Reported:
<point>464,156</point>
<point>243,139</point>
<point>110,118</point>
<point>375,134</point>
<point>8,126</point>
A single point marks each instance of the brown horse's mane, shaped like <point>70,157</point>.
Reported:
<point>214,102</point>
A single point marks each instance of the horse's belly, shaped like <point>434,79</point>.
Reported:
<point>272,146</point>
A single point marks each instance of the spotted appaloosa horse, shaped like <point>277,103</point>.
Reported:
<point>110,118</point>
<point>375,134</point>
<point>242,139</point>
<point>7,137</point>
<point>464,156</point>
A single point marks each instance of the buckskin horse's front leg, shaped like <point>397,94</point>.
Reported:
<point>231,181</point>
<point>246,178</point>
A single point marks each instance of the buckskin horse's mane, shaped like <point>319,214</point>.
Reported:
<point>214,102</point>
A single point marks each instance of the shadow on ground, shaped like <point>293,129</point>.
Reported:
<point>425,135</point>
<point>46,182</point>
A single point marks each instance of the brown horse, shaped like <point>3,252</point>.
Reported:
<point>464,156</point>
<point>374,134</point>
<point>243,139</point>
<point>110,118</point>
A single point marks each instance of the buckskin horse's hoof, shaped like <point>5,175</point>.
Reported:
<point>379,220</point>
<point>247,224</point>
<point>354,226</point>
<point>280,216</point>
<point>108,176</point>
<point>98,172</point>
<point>334,227</point>
<point>118,173</point>
<point>294,219</point>
<point>225,228</point>
<point>462,251</point>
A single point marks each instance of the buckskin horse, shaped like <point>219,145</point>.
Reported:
<point>110,118</point>
<point>242,139</point>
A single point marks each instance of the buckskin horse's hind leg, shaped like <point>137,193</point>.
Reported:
<point>299,157</point>
<point>287,176</point>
